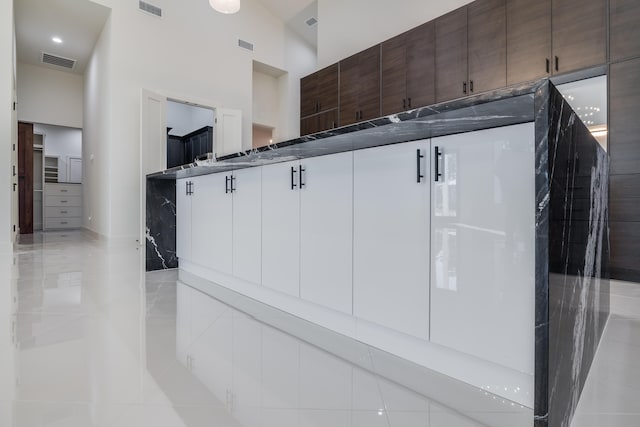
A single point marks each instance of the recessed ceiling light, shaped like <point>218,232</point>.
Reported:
<point>56,39</point>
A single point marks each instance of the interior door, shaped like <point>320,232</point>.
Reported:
<point>228,131</point>
<point>281,227</point>
<point>391,236</point>
<point>25,177</point>
<point>153,146</point>
<point>326,234</point>
<point>482,244</point>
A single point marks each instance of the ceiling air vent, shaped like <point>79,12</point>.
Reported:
<point>245,45</point>
<point>149,8</point>
<point>58,61</point>
<point>311,21</point>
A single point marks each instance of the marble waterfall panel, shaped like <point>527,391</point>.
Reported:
<point>576,219</point>
<point>161,224</point>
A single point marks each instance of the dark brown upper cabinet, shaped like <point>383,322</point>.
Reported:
<point>624,31</point>
<point>487,39</point>
<point>578,31</point>
<point>319,122</point>
<point>408,70</point>
<point>360,86</point>
<point>451,55</point>
<point>528,40</point>
<point>319,91</point>
<point>471,50</point>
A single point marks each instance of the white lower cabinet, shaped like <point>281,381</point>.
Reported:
<point>247,224</point>
<point>281,227</point>
<point>184,220</point>
<point>482,245</point>
<point>391,236</point>
<point>326,230</point>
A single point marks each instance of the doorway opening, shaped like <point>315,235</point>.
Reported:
<point>190,133</point>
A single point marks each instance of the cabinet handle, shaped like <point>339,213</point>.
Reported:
<point>557,64</point>
<point>63,201</point>
<point>404,104</point>
<point>361,115</point>
<point>64,212</point>
<point>64,191</point>
<point>357,115</point>
<point>293,179</point>
<point>437,154</point>
<point>64,222</point>
<point>548,66</point>
<point>233,180</point>
<point>186,188</point>
<point>471,86</point>
<point>409,102</point>
<point>302,170</point>
<point>333,125</point>
<point>226,184</point>
<point>319,106</point>
<point>464,87</point>
<point>419,158</point>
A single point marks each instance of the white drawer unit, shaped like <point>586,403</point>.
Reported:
<point>62,206</point>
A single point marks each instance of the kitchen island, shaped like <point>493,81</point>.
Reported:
<point>470,237</point>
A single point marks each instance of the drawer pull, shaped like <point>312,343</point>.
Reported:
<point>63,212</point>
<point>64,222</point>
<point>64,191</point>
<point>63,201</point>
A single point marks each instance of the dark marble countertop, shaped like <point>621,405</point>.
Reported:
<point>501,107</point>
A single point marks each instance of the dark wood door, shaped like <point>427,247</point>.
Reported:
<point>25,177</point>
<point>451,55</point>
<point>394,75</point>
<point>421,80</point>
<point>369,93</point>
<point>528,40</point>
<point>327,120</point>
<point>349,89</point>
<point>624,29</point>
<point>578,34</point>
<point>327,88</point>
<point>308,95</point>
<point>308,125</point>
<point>487,38</point>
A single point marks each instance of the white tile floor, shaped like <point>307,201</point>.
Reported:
<point>88,339</point>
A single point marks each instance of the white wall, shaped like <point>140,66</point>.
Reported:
<point>190,54</point>
<point>266,99</point>
<point>63,142</point>
<point>7,125</point>
<point>347,27</point>
<point>97,136</point>
<point>49,96</point>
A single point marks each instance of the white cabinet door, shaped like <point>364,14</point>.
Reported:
<point>183,219</point>
<point>247,224</point>
<point>228,131</point>
<point>212,222</point>
<point>281,228</point>
<point>326,230</point>
<point>482,245</point>
<point>391,237</point>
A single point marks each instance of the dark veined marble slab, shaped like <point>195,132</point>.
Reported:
<point>161,225</point>
<point>572,256</point>
<point>502,107</point>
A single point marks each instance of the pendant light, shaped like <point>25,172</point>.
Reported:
<point>225,6</point>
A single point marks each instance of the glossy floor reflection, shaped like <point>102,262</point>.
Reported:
<point>88,339</point>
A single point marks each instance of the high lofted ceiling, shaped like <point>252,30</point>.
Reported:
<point>77,23</point>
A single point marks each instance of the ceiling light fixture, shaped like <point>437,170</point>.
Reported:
<point>56,40</point>
<point>225,6</point>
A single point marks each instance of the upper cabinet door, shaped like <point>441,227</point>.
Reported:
<point>451,55</point>
<point>487,38</point>
<point>579,34</point>
<point>327,88</point>
<point>394,75</point>
<point>349,90</point>
<point>624,37</point>
<point>421,80</point>
<point>482,244</point>
<point>528,40</point>
<point>309,95</point>
<point>369,96</point>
